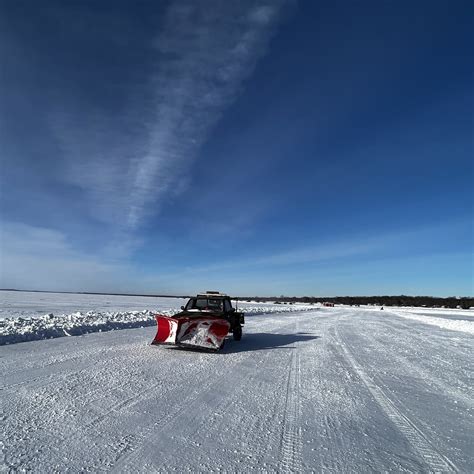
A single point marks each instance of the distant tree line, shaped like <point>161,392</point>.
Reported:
<point>402,300</point>
<point>464,302</point>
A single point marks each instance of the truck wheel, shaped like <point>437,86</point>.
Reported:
<point>237,333</point>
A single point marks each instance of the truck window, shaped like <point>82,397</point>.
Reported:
<point>204,303</point>
<point>190,304</point>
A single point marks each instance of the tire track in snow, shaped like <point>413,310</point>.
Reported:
<point>337,454</point>
<point>422,374</point>
<point>54,378</point>
<point>119,407</point>
<point>34,364</point>
<point>33,368</point>
<point>229,399</point>
<point>442,363</point>
<point>191,403</point>
<point>120,380</point>
<point>56,446</point>
<point>435,461</point>
<point>291,443</point>
<point>41,404</point>
<point>256,429</point>
<point>128,462</point>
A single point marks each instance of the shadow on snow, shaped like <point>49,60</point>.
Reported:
<point>254,342</point>
<point>263,341</point>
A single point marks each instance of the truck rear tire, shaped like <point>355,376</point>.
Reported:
<point>237,332</point>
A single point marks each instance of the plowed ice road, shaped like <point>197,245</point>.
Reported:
<point>334,390</point>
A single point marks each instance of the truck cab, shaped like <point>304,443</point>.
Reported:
<point>219,305</point>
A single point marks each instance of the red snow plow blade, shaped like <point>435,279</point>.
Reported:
<point>200,331</point>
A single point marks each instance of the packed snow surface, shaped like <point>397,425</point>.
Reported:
<point>333,389</point>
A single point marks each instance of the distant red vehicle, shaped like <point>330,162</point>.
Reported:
<point>329,305</point>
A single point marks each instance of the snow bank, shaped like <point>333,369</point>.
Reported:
<point>19,329</point>
<point>49,326</point>
<point>467,313</point>
<point>452,324</point>
<point>445,318</point>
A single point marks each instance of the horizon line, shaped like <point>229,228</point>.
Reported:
<point>234,297</point>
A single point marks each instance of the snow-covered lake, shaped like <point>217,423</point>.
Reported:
<point>30,304</point>
<point>329,390</point>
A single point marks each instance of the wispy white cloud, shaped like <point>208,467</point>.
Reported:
<point>310,254</point>
<point>204,51</point>
<point>397,244</point>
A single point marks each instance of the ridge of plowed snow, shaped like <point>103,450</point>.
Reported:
<point>454,320</point>
<point>452,324</point>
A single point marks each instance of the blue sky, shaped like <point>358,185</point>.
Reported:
<point>255,147</point>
